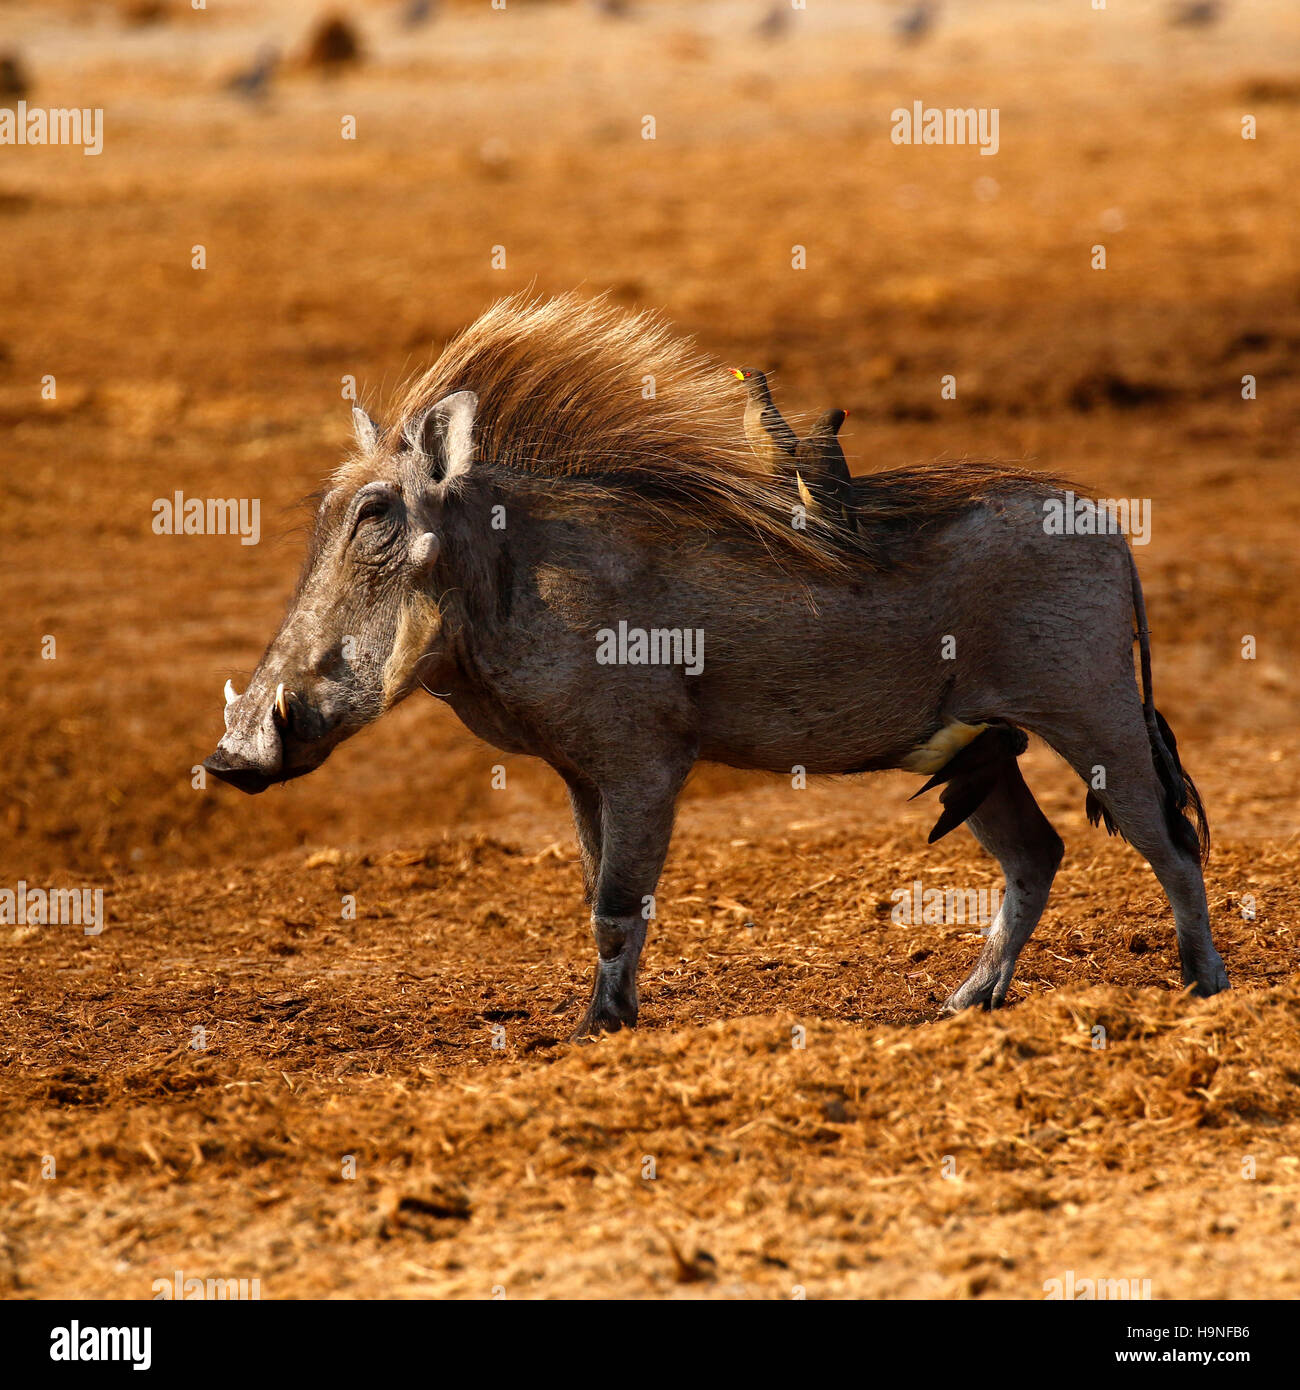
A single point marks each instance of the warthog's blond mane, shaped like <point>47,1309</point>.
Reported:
<point>626,410</point>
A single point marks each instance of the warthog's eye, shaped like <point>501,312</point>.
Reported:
<point>372,505</point>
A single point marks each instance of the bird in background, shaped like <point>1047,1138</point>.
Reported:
<point>915,22</point>
<point>418,12</point>
<point>1195,14</point>
<point>254,81</point>
<point>14,84</point>
<point>768,434</point>
<point>775,22</point>
<point>823,475</point>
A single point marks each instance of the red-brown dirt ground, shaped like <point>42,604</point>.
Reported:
<point>388,1106</point>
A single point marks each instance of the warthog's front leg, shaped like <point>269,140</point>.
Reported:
<point>614,1003</point>
<point>636,826</point>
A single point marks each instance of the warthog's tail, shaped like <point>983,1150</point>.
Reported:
<point>1180,791</point>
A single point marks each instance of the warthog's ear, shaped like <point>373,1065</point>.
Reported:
<point>367,431</point>
<point>444,434</point>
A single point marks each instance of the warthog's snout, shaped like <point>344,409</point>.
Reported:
<point>270,737</point>
<point>232,766</point>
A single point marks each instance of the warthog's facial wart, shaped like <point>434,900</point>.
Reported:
<point>365,621</point>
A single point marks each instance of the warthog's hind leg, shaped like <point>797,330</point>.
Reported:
<point>1015,832</point>
<point>1135,801</point>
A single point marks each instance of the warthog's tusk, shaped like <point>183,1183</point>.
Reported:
<point>231,693</point>
<point>281,704</point>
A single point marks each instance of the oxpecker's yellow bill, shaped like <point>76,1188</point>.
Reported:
<point>738,374</point>
<point>942,746</point>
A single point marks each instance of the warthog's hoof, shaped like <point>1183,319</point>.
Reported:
<point>977,991</point>
<point>604,1016</point>
<point>1207,978</point>
<point>613,992</point>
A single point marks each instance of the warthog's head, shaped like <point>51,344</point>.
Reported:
<point>365,624</point>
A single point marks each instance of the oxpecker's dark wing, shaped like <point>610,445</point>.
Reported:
<point>765,427</point>
<point>971,774</point>
<point>781,434</point>
<point>822,466</point>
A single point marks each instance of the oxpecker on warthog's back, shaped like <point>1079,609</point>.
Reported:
<point>565,472</point>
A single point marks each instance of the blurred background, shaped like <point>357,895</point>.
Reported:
<point>199,1068</point>
<point>497,149</point>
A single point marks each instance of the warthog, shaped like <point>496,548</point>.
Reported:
<point>565,472</point>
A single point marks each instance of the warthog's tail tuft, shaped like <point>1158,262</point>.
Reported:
<point>1181,796</point>
<point>1180,791</point>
